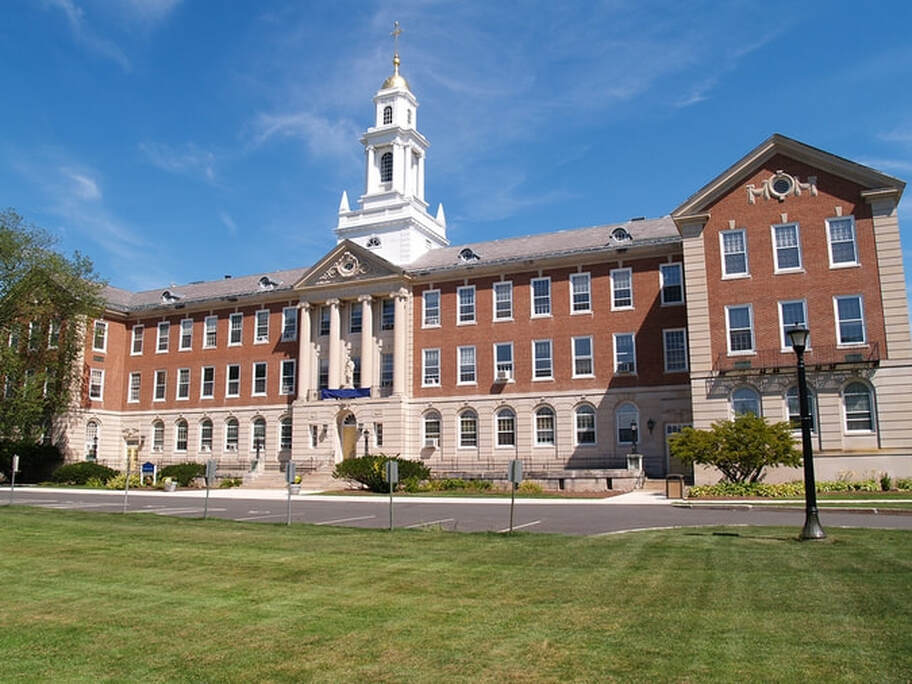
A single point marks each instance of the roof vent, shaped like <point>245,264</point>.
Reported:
<point>267,283</point>
<point>638,218</point>
<point>227,276</point>
<point>467,255</point>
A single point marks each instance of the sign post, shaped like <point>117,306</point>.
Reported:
<point>289,478</point>
<point>211,466</point>
<point>131,455</point>
<point>13,477</point>
<point>515,476</point>
<point>392,476</point>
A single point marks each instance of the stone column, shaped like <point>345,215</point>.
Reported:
<point>305,351</point>
<point>399,341</point>
<point>367,342</point>
<point>335,344</point>
<point>369,170</point>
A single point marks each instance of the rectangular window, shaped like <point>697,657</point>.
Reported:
<point>235,329</point>
<point>96,384</point>
<point>671,280</point>
<point>183,383</point>
<point>233,381</point>
<point>136,347</point>
<point>314,436</point>
<point>850,327</point>
<point>625,353</point>
<point>582,357</point>
<point>786,247</point>
<point>841,239</point>
<point>431,304</point>
<point>161,382</point>
<point>324,321</point>
<point>289,324</point>
<point>210,332</point>
<point>378,434</point>
<point>503,301</point>
<point>541,297</point>
<point>792,315</point>
<point>323,374</point>
<point>621,289</point>
<point>386,370</point>
<point>33,335</point>
<point>262,327</point>
<point>356,371</point>
<point>541,355</point>
<point>54,335</point>
<point>734,253</point>
<point>430,369</point>
<point>387,314</point>
<point>100,336</point>
<point>259,379</point>
<point>466,356</point>
<point>285,434</point>
<point>740,323</point>
<point>186,334</point>
<point>675,341</point>
<point>355,316</point>
<point>466,298</point>
<point>207,384</point>
<point>287,381</point>
<point>503,361</point>
<point>164,334</point>
<point>580,293</point>
<point>135,387</point>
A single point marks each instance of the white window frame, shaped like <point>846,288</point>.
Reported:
<point>537,433</point>
<point>203,447</point>
<point>181,422</point>
<point>586,277</point>
<point>740,352</point>
<point>624,409</point>
<point>355,310</point>
<point>459,314</point>
<point>289,313</point>
<point>787,269</point>
<point>186,330</point>
<point>783,336</point>
<point>864,327</point>
<point>136,336</point>
<point>615,272</point>
<point>474,367</point>
<point>679,267</point>
<point>842,264</point>
<point>203,394</point>
<point>725,274</point>
<point>665,349</point>
<point>253,380</point>
<point>228,393</point>
<point>286,420</point>
<point>230,446</point>
<point>425,367</point>
<point>532,297</point>
<point>550,376</point>
<point>160,374</point>
<point>872,404</point>
<point>133,398</point>
<point>253,427</point>
<point>100,383</point>
<point>497,364</point>
<point>432,416</point>
<point>386,380</point>
<point>426,322</point>
<point>614,345</point>
<point>576,428</point>
<point>236,317</point>
<point>104,335</point>
<point>508,286</point>
<point>590,356</point>
<point>54,334</point>
<point>378,434</point>
<point>210,325</point>
<point>497,430</point>
<point>257,337</point>
<point>163,333</point>
<point>812,405</point>
<point>158,445</point>
<point>284,389</point>
<point>459,432</point>
<point>182,372</point>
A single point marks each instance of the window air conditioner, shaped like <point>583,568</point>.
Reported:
<point>432,442</point>
<point>625,367</point>
<point>503,376</point>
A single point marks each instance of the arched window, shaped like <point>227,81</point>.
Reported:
<point>431,429</point>
<point>626,415</point>
<point>231,434</point>
<point>544,426</point>
<point>794,409</point>
<point>585,424</point>
<point>386,167</point>
<point>258,435</point>
<point>180,438</point>
<point>468,429</point>
<point>285,433</point>
<point>506,427</point>
<point>745,400</point>
<point>91,443</point>
<point>387,115</point>
<point>858,404</point>
<point>158,436</point>
<point>205,435</point>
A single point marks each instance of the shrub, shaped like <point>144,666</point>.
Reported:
<point>120,480</point>
<point>529,487</point>
<point>81,473</point>
<point>903,483</point>
<point>183,473</point>
<point>782,489</point>
<point>229,482</point>
<point>886,482</point>
<point>369,471</point>
<point>36,461</point>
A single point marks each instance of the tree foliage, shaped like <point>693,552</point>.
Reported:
<point>45,298</point>
<point>739,448</point>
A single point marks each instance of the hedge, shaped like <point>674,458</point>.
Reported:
<point>369,471</point>
<point>183,473</point>
<point>80,473</point>
<point>36,461</point>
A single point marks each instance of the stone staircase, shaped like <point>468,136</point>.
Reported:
<point>316,480</point>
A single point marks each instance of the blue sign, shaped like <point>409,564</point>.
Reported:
<point>148,467</point>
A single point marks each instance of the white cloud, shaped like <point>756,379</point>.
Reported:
<point>84,186</point>
<point>188,160</point>
<point>229,223</point>
<point>151,11</point>
<point>323,136</point>
<point>86,35</point>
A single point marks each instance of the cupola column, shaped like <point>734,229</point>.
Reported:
<point>399,341</point>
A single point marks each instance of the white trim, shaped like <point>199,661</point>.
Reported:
<point>864,327</point>
<point>256,327</point>
<point>459,291</point>
<point>575,413</point>
<point>163,325</point>
<point>536,443</point>
<point>532,313</point>
<point>629,271</point>
<point>203,382</point>
<point>100,396</point>
<point>235,448</point>
<point>783,339</point>
<point>459,380</point>
<point>496,416</point>
<point>294,377</point>
<point>130,399</point>
<point>180,338</point>
<point>725,274</point>
<point>424,352</point>
<point>750,312</point>
<point>293,337</point>
<point>842,264</point>
<point>228,393</point>
<point>494,285</point>
<point>253,379</point>
<point>614,349</point>
<point>104,338</point>
<point>204,449</point>
<point>872,400</point>
<point>424,308</point>
<point>459,415</point>
<point>588,277</point>
<point>164,385</point>
<point>574,358</point>
<point>790,269</point>
<point>550,376</point>
<point>679,267</point>
<point>731,399</point>
<point>617,421</point>
<point>206,322</point>
<point>239,316</point>
<point>177,385</point>
<point>142,329</point>
<point>512,371</point>
<point>665,332</point>
<point>177,424</point>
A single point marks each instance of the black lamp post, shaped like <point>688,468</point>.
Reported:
<point>634,436</point>
<point>798,337</point>
<point>95,448</point>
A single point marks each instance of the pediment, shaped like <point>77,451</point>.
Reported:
<point>348,263</point>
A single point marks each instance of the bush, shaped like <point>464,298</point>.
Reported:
<point>82,473</point>
<point>230,482</point>
<point>36,461</point>
<point>903,483</point>
<point>369,471</point>
<point>886,482</point>
<point>119,481</point>
<point>529,487</point>
<point>782,489</point>
<point>183,473</point>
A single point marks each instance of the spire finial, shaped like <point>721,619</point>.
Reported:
<point>397,31</point>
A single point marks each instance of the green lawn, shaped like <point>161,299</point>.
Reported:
<point>141,597</point>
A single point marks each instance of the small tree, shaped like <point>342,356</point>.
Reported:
<point>740,448</point>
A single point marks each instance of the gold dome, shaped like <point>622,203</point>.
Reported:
<point>395,81</point>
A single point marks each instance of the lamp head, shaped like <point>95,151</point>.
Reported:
<point>798,337</point>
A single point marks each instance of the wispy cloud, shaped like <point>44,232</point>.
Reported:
<point>188,160</point>
<point>84,186</point>
<point>901,165</point>
<point>324,137</point>
<point>900,134</point>
<point>148,11</point>
<point>228,222</point>
<point>85,35</point>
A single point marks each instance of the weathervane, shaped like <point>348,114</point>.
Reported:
<point>395,34</point>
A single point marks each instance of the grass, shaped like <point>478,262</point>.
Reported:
<point>90,596</point>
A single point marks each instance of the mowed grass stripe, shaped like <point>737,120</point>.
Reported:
<point>99,596</point>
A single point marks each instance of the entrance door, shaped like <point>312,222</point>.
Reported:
<point>672,465</point>
<point>348,434</point>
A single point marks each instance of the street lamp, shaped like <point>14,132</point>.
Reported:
<point>634,435</point>
<point>95,447</point>
<point>798,337</point>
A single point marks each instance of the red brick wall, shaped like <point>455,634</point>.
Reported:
<point>110,361</point>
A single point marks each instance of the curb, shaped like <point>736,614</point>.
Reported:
<point>775,507</point>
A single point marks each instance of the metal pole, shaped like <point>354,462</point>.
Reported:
<point>206,503</point>
<point>391,503</point>
<point>288,522</point>
<point>513,487</point>
<point>126,484</point>
<point>812,528</point>
<point>14,465</point>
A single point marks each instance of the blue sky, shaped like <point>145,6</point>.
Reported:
<point>180,140</point>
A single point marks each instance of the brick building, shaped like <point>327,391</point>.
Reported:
<point>546,348</point>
